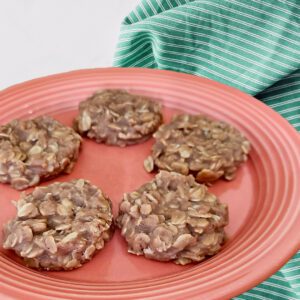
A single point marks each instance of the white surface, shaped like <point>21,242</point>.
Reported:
<point>41,37</point>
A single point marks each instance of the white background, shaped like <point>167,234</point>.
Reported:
<point>41,37</point>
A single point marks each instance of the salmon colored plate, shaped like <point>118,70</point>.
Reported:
<point>263,201</point>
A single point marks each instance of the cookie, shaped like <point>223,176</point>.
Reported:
<point>60,226</point>
<point>35,150</point>
<point>119,118</point>
<point>198,145</point>
<point>173,218</point>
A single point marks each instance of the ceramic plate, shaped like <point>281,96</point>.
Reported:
<point>263,200</point>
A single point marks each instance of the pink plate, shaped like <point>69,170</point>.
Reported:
<point>263,201</point>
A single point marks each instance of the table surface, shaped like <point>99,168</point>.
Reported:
<point>38,38</point>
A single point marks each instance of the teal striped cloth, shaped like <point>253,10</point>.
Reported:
<point>253,45</point>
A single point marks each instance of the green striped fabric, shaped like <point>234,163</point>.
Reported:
<point>253,45</point>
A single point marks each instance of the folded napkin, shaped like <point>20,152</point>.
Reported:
<point>253,45</point>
